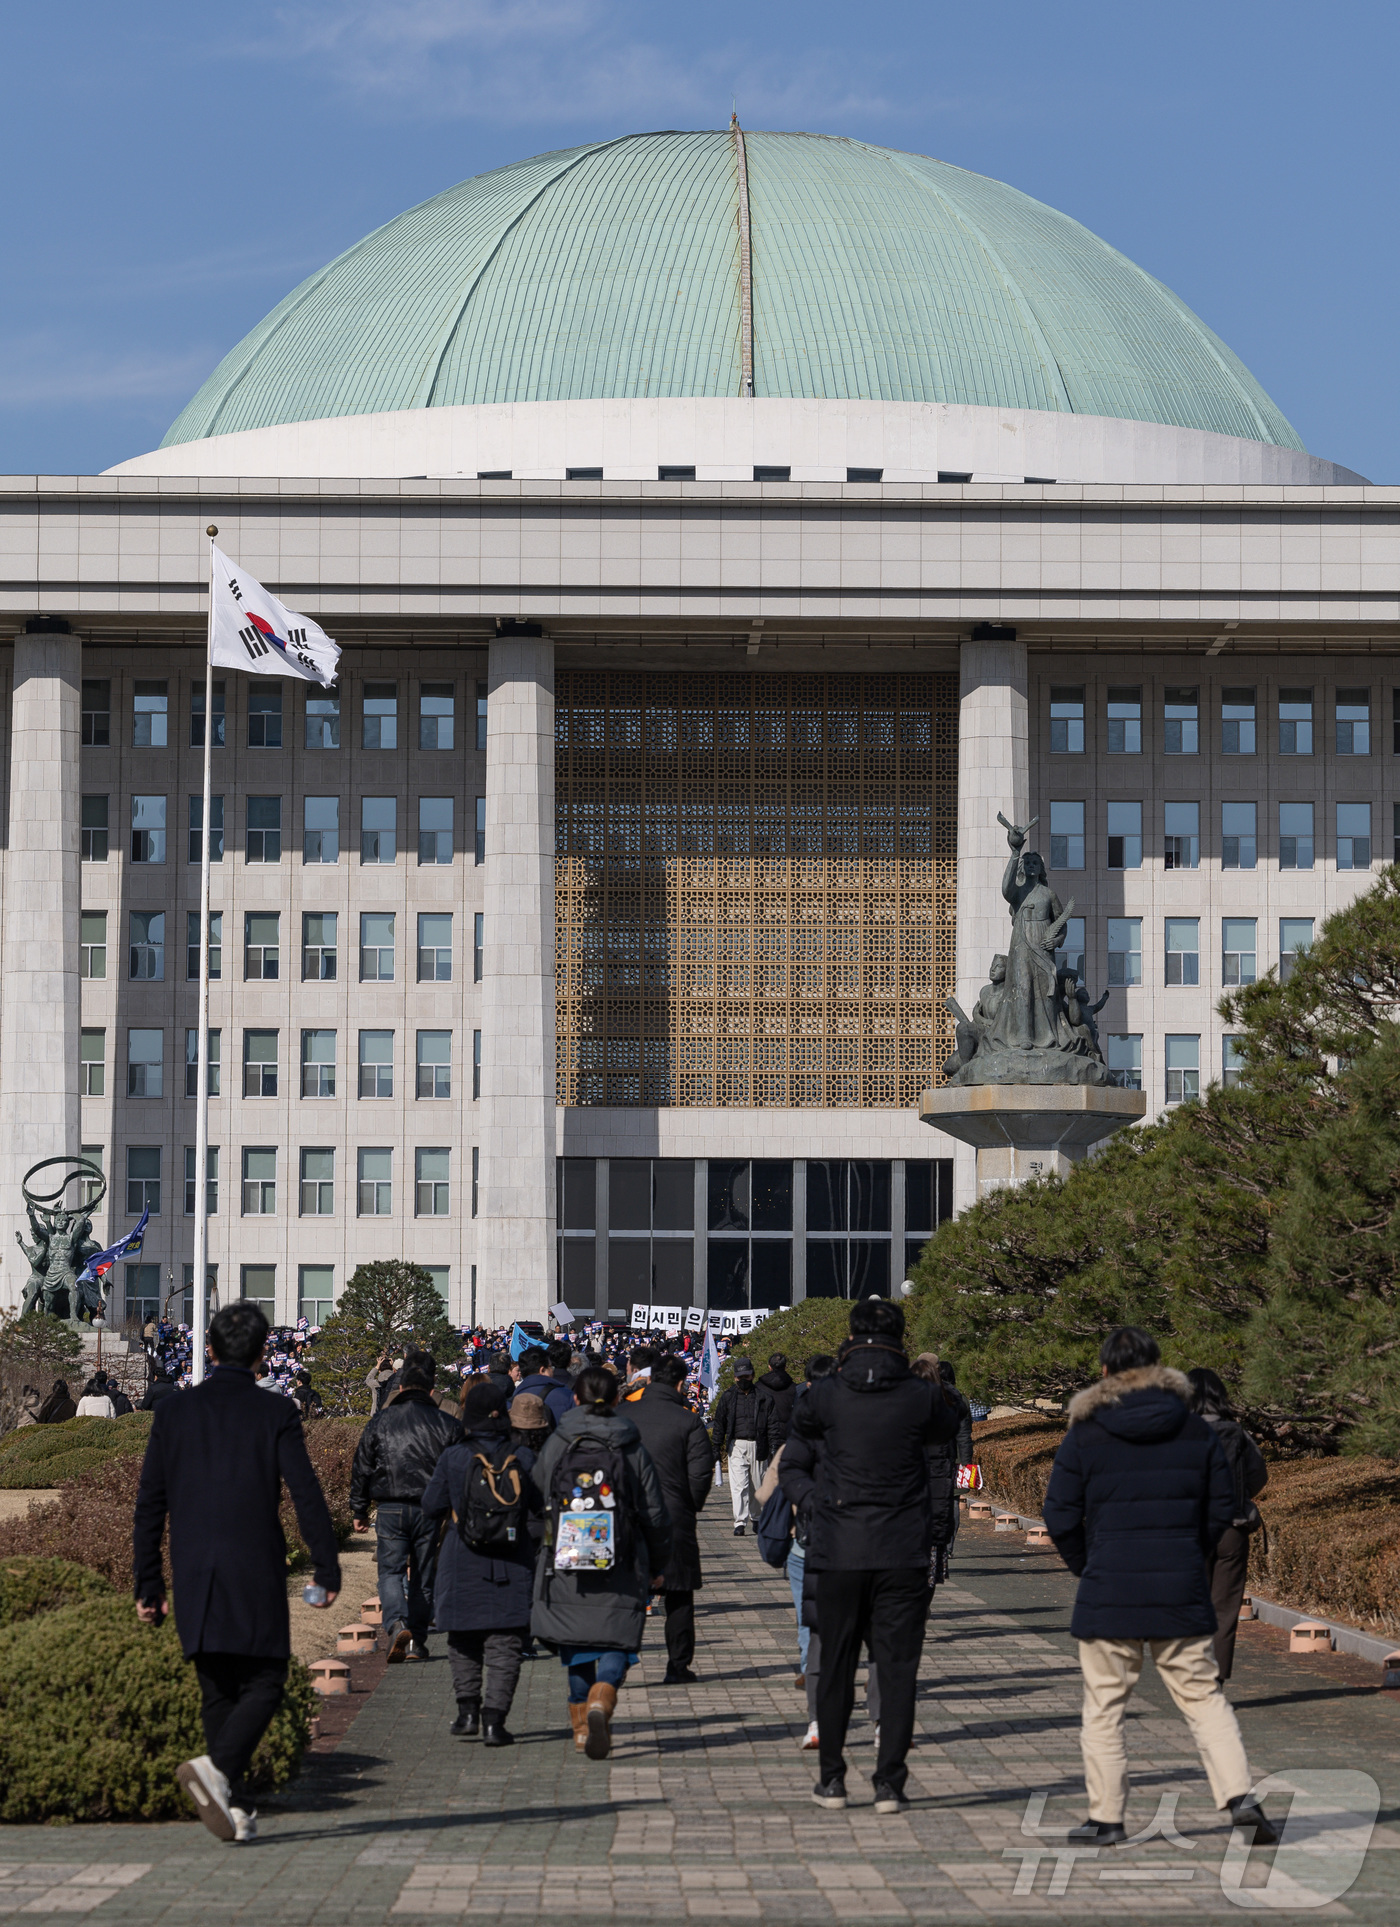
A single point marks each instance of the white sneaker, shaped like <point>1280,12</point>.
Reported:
<point>209,1790</point>
<point>245,1824</point>
<point>811,1739</point>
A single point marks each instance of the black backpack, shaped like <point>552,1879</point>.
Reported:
<point>493,1504</point>
<point>591,1483</point>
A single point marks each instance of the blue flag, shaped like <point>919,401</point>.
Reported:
<point>101,1262</point>
<point>518,1341</point>
<point>709,1363</point>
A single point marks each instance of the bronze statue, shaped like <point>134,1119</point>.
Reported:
<point>63,1243</point>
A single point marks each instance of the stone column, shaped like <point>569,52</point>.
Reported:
<point>515,1215</point>
<point>39,1011</point>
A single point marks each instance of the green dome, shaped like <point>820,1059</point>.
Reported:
<point>614,271</point>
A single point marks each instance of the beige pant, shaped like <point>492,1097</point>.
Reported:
<point>1111,1669</point>
<point>745,1474</point>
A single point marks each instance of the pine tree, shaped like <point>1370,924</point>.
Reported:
<point>387,1306</point>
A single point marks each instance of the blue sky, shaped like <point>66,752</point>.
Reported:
<point>171,171</point>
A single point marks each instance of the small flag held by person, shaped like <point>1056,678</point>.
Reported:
<point>709,1363</point>
<point>252,631</point>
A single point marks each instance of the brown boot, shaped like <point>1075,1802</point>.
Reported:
<point>602,1700</point>
<point>578,1719</point>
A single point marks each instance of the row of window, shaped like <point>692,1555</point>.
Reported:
<point>145,1298</point>
<point>262,831</point>
<point>262,945</point>
<point>379,715</point>
<point>1238,721</point>
<point>1181,1059</point>
<point>145,1063</point>
<point>1298,842</point>
<point>749,1195</point>
<point>374,1181</point>
<point>1239,949</point>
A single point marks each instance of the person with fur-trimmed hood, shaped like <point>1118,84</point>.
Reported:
<point>1139,1495</point>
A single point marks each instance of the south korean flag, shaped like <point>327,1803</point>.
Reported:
<point>252,631</point>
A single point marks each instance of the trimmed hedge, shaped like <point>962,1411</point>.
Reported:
<point>1015,1455</point>
<point>816,1325</point>
<point>97,1711</point>
<point>30,1586</point>
<point>37,1456</point>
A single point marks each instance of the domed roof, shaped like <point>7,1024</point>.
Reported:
<point>617,270</point>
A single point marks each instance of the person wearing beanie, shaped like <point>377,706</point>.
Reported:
<point>741,1430</point>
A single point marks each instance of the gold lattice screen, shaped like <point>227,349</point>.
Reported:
<point>754,888</point>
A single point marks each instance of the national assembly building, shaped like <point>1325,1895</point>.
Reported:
<point>720,530</point>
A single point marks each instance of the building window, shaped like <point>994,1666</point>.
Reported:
<point>378,828</point>
<point>479,847</point>
<point>1295,935</point>
<point>476,1065</point>
<point>211,1180</point>
<point>1353,836</point>
<point>1239,843</point>
<point>87,1186</point>
<point>1239,944</point>
<point>95,828</point>
<point>481,715</point>
<point>216,829</point>
<point>381,715</point>
<point>1183,950</point>
<point>850,1197</point>
<point>1067,721</point>
<point>148,829</point>
<point>1237,722</point>
<point>1295,836</point>
<point>216,945</point>
<point>1125,836</point>
<point>1182,847</point>
<point>431,1185</point>
<point>1124,1058</point>
<point>264,829</point>
<point>150,716</point>
<point>928,1203</point>
<point>1070,953</point>
<point>259,1180</point>
<point>376,1191</point>
<point>260,1063</point>
<point>1231,1061</point>
<point>478,946</point>
<point>1295,722</point>
<point>1395,721</point>
<point>865,475</point>
<point>320,836</point>
<point>1125,722</point>
<point>1181,726</point>
<point>376,946</point>
<point>92,944</point>
<point>318,1063</point>
<point>1066,836</point>
<point>434,829</point>
<point>145,1063</point>
<point>192,1063</point>
<point>197,716</point>
<point>264,715</point>
<point>97,715</point>
<point>376,1063</point>
<point>1353,722</point>
<point>318,1183</point>
<point>435,1063</point>
<point>142,1180</point>
<point>1124,950</point>
<point>441,1276</point>
<point>315,1294</point>
<point>92,1063</point>
<point>142,1293</point>
<point>318,945</point>
<point>435,947</point>
<point>1183,1069</point>
<point>436,715</point>
<point>258,1286</point>
<point>262,945</point>
<point>323,722</point>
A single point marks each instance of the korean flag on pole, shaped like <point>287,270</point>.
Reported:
<point>252,631</point>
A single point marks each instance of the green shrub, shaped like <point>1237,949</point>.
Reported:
<point>30,1586</point>
<point>97,1712</point>
<point>45,1455</point>
<point>799,1331</point>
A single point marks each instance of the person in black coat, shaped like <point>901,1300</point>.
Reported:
<point>740,1430</point>
<point>781,1388</point>
<point>680,1450</point>
<point>215,1464</point>
<point>856,1467</point>
<point>482,1600</point>
<point>394,1460</point>
<point>159,1388</point>
<point>1139,1495</point>
<point>1229,1568</point>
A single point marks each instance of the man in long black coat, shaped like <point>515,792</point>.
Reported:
<point>215,1462</point>
<point>679,1447</point>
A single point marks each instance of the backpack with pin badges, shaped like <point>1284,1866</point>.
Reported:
<point>590,1517</point>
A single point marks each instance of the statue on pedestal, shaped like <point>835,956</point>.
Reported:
<point>63,1243</point>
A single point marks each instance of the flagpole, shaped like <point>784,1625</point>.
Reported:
<point>200,1292</point>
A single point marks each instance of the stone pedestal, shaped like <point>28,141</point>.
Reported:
<point>1023,1131</point>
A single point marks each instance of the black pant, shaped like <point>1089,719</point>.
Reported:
<point>1227,1583</point>
<point>240,1692</point>
<point>680,1630</point>
<point>886,1611</point>
<point>497,1654</point>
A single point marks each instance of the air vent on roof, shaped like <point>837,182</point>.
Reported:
<point>583,474</point>
<point>954,475</point>
<point>768,472</point>
<point>865,475</point>
<point>675,472</point>
<point>501,475</point>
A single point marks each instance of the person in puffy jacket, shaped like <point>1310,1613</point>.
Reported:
<point>394,1460</point>
<point>1230,1566</point>
<point>1139,1495</point>
<point>782,1391</point>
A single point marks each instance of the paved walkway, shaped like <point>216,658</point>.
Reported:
<point>704,1813</point>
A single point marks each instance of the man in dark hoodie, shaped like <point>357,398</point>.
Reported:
<point>1139,1495</point>
<point>856,1468</point>
<point>781,1391</point>
<point>394,1461</point>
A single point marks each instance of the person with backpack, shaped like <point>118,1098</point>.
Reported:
<point>679,1447</point>
<point>1230,1567</point>
<point>607,1543</point>
<point>481,1598</point>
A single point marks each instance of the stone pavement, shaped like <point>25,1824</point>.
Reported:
<point>704,1812</point>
